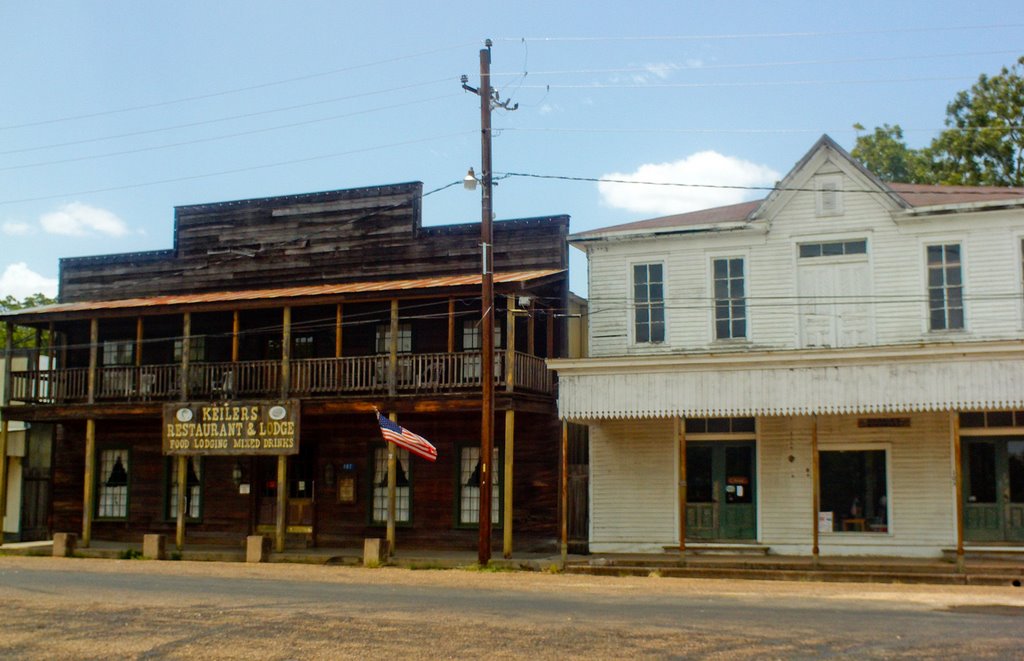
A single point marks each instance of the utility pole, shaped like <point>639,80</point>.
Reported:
<point>488,98</point>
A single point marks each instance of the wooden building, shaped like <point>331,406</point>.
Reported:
<point>836,369</point>
<point>331,304</point>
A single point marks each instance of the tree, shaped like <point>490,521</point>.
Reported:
<point>983,146</point>
<point>23,337</point>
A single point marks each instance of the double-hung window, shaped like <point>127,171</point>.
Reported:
<point>648,303</point>
<point>112,501</point>
<point>945,287</point>
<point>469,485</point>
<point>403,491</point>
<point>383,338</point>
<point>730,299</point>
<point>193,487</point>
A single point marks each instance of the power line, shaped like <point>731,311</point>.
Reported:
<point>739,131</point>
<point>755,83</point>
<point>235,90</point>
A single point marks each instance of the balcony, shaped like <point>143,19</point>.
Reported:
<point>417,374</point>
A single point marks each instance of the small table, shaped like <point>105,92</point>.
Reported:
<point>854,524</point>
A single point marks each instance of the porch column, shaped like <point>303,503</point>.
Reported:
<point>531,330</point>
<point>179,537</point>
<point>337,330</point>
<point>186,354</point>
<point>680,425</point>
<point>393,350</point>
<point>286,352</point>
<point>138,355</point>
<point>5,401</point>
<point>37,343</point>
<point>392,490</point>
<point>51,339</point>
<point>510,343</point>
<point>510,434</point>
<point>235,328</point>
<point>451,325</point>
<point>815,490</point>
<point>564,489</point>
<point>550,339</point>
<point>89,489</point>
<point>282,502</point>
<point>958,486</point>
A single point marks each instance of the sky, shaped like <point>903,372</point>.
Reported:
<point>112,113</point>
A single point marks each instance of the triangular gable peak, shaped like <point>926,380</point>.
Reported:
<point>825,162</point>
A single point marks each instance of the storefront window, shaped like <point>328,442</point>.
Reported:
<point>853,487</point>
<point>403,498</point>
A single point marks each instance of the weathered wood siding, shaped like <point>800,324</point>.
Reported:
<point>337,236</point>
<point>633,497</point>
<point>897,286</point>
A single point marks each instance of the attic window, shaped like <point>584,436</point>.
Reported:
<point>829,197</point>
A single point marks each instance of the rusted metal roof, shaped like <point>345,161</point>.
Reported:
<point>304,291</point>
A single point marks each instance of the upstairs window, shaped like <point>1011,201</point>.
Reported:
<point>945,287</point>
<point>834,248</point>
<point>196,352</point>
<point>384,338</point>
<point>730,299</point>
<point>829,197</point>
<point>648,303</point>
<point>118,353</point>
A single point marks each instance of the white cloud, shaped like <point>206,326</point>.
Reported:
<point>706,167</point>
<point>19,281</point>
<point>661,70</point>
<point>17,229</point>
<point>77,219</point>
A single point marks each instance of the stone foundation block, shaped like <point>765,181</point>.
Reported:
<point>154,547</point>
<point>64,544</point>
<point>257,548</point>
<point>375,551</point>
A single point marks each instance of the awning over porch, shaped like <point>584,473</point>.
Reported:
<point>893,379</point>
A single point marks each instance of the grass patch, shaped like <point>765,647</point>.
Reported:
<point>129,554</point>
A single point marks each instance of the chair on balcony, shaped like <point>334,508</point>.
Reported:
<point>224,387</point>
<point>147,384</point>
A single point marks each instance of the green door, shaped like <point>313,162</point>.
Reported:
<point>720,489</point>
<point>993,474</point>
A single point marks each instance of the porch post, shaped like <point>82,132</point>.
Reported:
<point>186,354</point>
<point>958,486</point>
<point>680,424</point>
<point>179,537</point>
<point>531,331</point>
<point>550,331</point>
<point>51,340</point>
<point>337,330</point>
<point>815,491</point>
<point>393,350</point>
<point>235,328</point>
<point>94,342</point>
<point>286,352</point>
<point>282,502</point>
<point>5,401</point>
<point>510,344</point>
<point>392,490</point>
<point>89,497</point>
<point>451,325</point>
<point>37,343</point>
<point>564,488</point>
<point>138,355</point>
<point>510,433</point>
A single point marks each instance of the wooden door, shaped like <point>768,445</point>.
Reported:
<point>993,473</point>
<point>720,491</point>
<point>834,308</point>
<point>35,495</point>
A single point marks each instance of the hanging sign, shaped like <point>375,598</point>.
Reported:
<point>231,428</point>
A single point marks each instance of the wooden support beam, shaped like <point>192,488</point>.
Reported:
<point>564,489</point>
<point>958,486</point>
<point>451,325</point>
<point>236,326</point>
<point>186,354</point>
<point>393,350</point>
<point>34,368</point>
<point>392,491</point>
<point>531,330</point>
<point>338,312</point>
<point>286,352</point>
<point>680,429</point>
<point>4,430</point>
<point>89,492</point>
<point>508,479</point>
<point>179,538</point>
<point>510,345</point>
<point>281,518</point>
<point>138,353</point>
<point>815,489</point>
<point>550,339</point>
<point>94,348</point>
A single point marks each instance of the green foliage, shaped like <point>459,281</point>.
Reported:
<point>983,146</point>
<point>130,554</point>
<point>23,337</point>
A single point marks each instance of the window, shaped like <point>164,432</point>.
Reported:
<point>730,299</point>
<point>114,467</point>
<point>118,352</point>
<point>829,197</point>
<point>648,303</point>
<point>834,248</point>
<point>719,425</point>
<point>853,490</point>
<point>193,487</point>
<point>403,497</point>
<point>197,349</point>
<point>471,338</point>
<point>945,288</point>
<point>384,338</point>
<point>303,347</point>
<point>469,486</point>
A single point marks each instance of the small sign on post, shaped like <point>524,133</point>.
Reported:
<point>231,428</point>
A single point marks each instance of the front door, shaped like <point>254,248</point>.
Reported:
<point>993,474</point>
<point>35,503</point>
<point>720,491</point>
<point>299,517</point>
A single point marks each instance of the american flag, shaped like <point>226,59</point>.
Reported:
<point>402,437</point>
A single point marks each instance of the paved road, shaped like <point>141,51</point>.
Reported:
<point>74,608</point>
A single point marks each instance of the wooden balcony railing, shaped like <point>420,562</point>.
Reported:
<point>421,373</point>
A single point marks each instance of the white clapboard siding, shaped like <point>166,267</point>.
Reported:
<point>633,501</point>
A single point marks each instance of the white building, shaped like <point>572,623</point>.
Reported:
<point>837,368</point>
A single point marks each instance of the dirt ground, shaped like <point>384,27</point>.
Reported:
<point>121,622</point>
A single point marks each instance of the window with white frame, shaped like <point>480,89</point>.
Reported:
<point>469,485</point>
<point>471,339</point>
<point>854,490</point>
<point>403,481</point>
<point>829,200</point>
<point>945,287</point>
<point>384,338</point>
<point>113,476</point>
<point>118,353</point>
<point>197,349</point>
<point>193,487</point>
<point>648,303</point>
<point>730,298</point>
